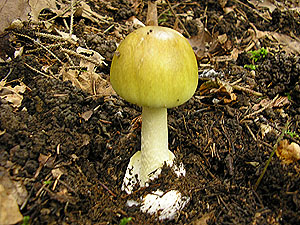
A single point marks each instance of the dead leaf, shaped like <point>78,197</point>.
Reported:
<point>134,22</point>
<point>87,115</point>
<point>9,210</point>
<point>280,102</point>
<point>14,188</point>
<point>24,10</point>
<point>263,4</point>
<point>222,89</point>
<point>12,194</point>
<point>37,6</point>
<point>200,41</point>
<point>265,128</point>
<point>288,153</point>
<point>12,94</point>
<point>88,80</point>
<point>204,219</point>
<point>56,173</point>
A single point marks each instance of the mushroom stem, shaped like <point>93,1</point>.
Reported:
<point>154,146</point>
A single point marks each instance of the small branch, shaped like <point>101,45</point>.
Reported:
<point>72,18</point>
<point>42,46</point>
<point>247,90</point>
<point>269,160</point>
<point>185,30</point>
<point>152,14</point>
<point>55,37</point>
<point>260,110</point>
<point>250,131</point>
<point>37,71</point>
<point>106,188</point>
<point>70,52</point>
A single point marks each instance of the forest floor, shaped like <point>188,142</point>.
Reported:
<point>66,137</point>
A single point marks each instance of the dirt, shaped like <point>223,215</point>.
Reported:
<point>224,151</point>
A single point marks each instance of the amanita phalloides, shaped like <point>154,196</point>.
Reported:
<point>154,67</point>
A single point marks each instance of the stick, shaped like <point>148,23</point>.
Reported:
<point>152,14</point>
<point>185,30</point>
<point>269,160</point>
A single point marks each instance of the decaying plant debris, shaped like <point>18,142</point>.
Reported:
<point>66,138</point>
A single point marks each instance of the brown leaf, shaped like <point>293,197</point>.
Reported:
<point>288,153</point>
<point>200,41</point>
<point>12,94</point>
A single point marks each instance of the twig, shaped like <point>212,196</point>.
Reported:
<point>250,131</point>
<point>237,81</point>
<point>247,90</point>
<point>237,1</point>
<point>269,160</point>
<point>55,37</point>
<point>37,43</point>
<point>151,19</point>
<point>70,52</point>
<point>48,46</point>
<point>260,110</point>
<point>9,72</point>
<point>185,30</point>
<point>106,188</point>
<point>63,13</point>
<point>39,72</point>
<point>72,18</point>
<point>173,7</point>
<point>111,26</point>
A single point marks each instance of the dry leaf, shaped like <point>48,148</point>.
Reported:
<point>87,115</point>
<point>37,6</point>
<point>288,153</point>
<point>263,4</point>
<point>200,41</point>
<point>222,89</point>
<point>9,210</point>
<point>134,22</point>
<point>24,10</point>
<point>12,194</point>
<point>12,94</point>
<point>56,173</point>
<point>265,128</point>
<point>204,219</point>
<point>280,102</point>
<point>89,80</point>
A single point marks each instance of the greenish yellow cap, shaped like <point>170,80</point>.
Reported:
<point>155,67</point>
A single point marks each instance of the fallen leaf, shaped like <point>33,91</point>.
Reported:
<point>263,4</point>
<point>12,94</point>
<point>9,210</point>
<point>13,188</point>
<point>265,128</point>
<point>88,80</point>
<point>37,6</point>
<point>204,219</point>
<point>12,194</point>
<point>222,89</point>
<point>56,173</point>
<point>288,153</point>
<point>280,102</point>
<point>200,41</point>
<point>24,10</point>
<point>87,115</point>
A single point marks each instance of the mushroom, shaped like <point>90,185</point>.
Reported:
<point>153,67</point>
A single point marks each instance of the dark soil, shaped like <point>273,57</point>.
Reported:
<point>223,153</point>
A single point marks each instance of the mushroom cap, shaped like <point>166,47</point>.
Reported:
<point>154,67</point>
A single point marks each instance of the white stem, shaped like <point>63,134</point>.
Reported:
<point>154,147</point>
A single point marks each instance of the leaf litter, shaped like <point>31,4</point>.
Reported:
<point>68,140</point>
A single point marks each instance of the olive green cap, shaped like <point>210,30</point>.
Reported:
<point>155,67</point>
